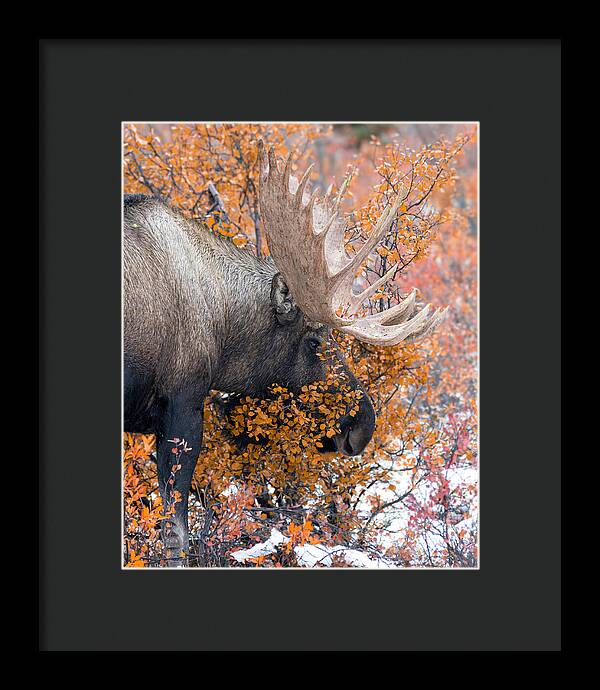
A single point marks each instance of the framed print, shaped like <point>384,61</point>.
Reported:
<point>294,345</point>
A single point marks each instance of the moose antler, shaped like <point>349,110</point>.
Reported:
<point>305,236</point>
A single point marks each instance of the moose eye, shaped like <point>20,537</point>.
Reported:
<point>314,343</point>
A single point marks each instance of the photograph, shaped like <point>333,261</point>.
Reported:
<point>300,345</point>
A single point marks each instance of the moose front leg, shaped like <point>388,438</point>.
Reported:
<point>178,447</point>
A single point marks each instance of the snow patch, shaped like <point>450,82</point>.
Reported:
<point>313,555</point>
<point>263,549</point>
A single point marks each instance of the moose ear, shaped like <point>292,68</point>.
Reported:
<point>281,301</point>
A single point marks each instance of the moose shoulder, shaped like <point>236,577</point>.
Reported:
<point>201,314</point>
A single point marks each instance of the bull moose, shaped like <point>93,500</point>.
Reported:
<point>201,314</point>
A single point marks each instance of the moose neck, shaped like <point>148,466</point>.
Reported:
<point>246,323</point>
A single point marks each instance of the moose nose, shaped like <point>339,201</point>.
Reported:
<point>356,432</point>
<point>353,441</point>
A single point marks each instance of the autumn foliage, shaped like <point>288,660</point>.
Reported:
<point>263,494</point>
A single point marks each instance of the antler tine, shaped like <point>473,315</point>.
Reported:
<point>262,160</point>
<point>273,170</point>
<point>287,171</point>
<point>410,329</point>
<point>372,289</point>
<point>397,314</point>
<point>342,189</point>
<point>378,233</point>
<point>302,185</point>
<point>436,318</point>
<point>310,206</point>
<point>306,241</point>
<point>379,334</point>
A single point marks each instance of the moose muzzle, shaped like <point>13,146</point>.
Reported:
<point>356,432</point>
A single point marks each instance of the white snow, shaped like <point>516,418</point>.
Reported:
<point>263,549</point>
<point>314,555</point>
<point>311,555</point>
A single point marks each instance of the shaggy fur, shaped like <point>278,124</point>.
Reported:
<point>201,314</point>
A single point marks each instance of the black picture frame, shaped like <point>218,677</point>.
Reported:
<point>86,89</point>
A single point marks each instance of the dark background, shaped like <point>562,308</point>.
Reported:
<point>86,89</point>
